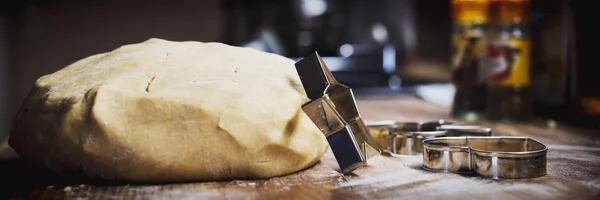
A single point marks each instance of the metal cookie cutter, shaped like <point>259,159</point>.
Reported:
<point>333,109</point>
<point>464,130</point>
<point>495,157</point>
<point>405,138</point>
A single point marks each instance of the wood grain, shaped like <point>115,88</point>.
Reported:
<point>573,171</point>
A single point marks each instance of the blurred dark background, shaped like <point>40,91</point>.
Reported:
<point>385,45</point>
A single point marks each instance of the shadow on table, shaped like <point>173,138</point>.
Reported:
<point>18,178</point>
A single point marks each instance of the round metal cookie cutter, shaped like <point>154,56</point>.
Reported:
<point>496,157</point>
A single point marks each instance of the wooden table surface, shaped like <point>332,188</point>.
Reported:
<point>573,171</point>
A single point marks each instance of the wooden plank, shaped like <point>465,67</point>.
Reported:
<point>573,171</point>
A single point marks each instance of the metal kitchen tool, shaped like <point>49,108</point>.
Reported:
<point>464,130</point>
<point>333,109</point>
<point>495,157</point>
<point>405,138</point>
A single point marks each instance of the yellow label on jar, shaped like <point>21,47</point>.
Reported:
<point>458,46</point>
<point>508,62</point>
<point>465,49</point>
<point>468,49</point>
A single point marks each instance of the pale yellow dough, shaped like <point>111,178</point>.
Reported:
<point>164,111</point>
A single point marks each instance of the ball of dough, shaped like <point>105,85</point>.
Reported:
<point>165,111</point>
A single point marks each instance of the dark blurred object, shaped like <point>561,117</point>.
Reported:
<point>567,87</point>
<point>43,36</point>
<point>470,28</point>
<point>428,46</point>
<point>508,61</point>
<point>364,41</point>
<point>11,6</point>
<point>6,152</point>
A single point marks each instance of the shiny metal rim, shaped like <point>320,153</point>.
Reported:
<point>427,144</point>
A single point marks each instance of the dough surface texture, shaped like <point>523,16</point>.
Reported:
<point>166,111</point>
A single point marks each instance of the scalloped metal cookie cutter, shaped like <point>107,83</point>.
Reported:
<point>332,108</point>
<point>405,138</point>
